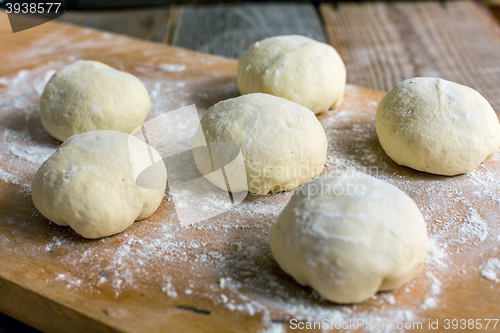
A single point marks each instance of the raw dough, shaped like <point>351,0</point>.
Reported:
<point>297,68</point>
<point>89,95</point>
<point>89,183</point>
<point>349,235</point>
<point>283,144</point>
<point>437,126</point>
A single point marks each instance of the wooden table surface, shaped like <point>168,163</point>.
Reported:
<point>381,43</point>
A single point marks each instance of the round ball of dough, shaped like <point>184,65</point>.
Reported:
<point>89,183</point>
<point>437,126</point>
<point>89,95</point>
<point>297,68</point>
<point>349,235</point>
<point>282,143</point>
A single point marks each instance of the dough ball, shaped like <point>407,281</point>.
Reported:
<point>282,143</point>
<point>89,183</point>
<point>297,68</point>
<point>349,235</point>
<point>89,95</point>
<point>437,126</point>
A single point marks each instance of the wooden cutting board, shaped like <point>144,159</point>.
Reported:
<point>217,275</point>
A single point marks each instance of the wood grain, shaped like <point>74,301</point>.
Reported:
<point>44,313</point>
<point>385,43</point>
<point>10,325</point>
<point>496,11</point>
<point>228,29</point>
<point>117,4</point>
<point>145,23</point>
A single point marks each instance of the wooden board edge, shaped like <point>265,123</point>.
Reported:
<point>45,314</point>
<point>488,15</point>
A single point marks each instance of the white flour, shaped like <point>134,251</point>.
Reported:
<point>491,270</point>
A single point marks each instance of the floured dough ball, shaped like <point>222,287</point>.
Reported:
<point>89,95</point>
<point>437,126</point>
<point>349,235</point>
<point>282,143</point>
<point>90,183</point>
<point>297,68</point>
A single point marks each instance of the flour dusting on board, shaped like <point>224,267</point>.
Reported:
<point>226,261</point>
<point>491,270</point>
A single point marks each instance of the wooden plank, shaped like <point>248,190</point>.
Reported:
<point>145,23</point>
<point>125,281</point>
<point>385,43</point>
<point>228,29</point>
<point>10,325</point>
<point>116,4</point>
